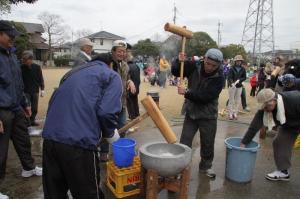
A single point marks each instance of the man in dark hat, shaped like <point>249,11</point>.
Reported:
<point>14,108</point>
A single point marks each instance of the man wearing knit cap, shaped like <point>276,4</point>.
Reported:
<point>282,109</point>
<point>205,83</point>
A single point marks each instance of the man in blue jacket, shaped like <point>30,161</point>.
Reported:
<point>13,106</point>
<point>82,110</point>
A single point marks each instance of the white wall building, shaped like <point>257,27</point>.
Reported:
<point>103,41</point>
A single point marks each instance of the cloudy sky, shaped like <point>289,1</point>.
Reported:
<point>140,19</point>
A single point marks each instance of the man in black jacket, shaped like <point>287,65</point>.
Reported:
<point>33,83</point>
<point>132,98</point>
<point>281,109</point>
<point>205,83</point>
<point>236,76</point>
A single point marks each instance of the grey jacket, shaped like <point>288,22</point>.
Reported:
<point>80,59</point>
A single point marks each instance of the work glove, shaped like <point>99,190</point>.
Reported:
<point>114,138</point>
<point>42,93</point>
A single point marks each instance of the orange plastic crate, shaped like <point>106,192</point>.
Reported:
<point>125,181</point>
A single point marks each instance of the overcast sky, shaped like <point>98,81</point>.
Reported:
<point>140,19</point>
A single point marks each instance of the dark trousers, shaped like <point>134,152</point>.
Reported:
<point>243,98</point>
<point>208,129</point>
<point>133,106</point>
<point>253,90</point>
<point>15,128</point>
<point>260,87</point>
<point>34,100</point>
<point>282,148</point>
<point>71,168</point>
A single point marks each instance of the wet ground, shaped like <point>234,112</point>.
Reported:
<point>200,185</point>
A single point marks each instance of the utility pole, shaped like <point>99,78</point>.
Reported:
<point>175,13</point>
<point>72,44</point>
<point>219,34</point>
<point>258,33</point>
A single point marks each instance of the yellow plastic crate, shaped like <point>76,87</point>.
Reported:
<point>124,182</point>
<point>297,142</point>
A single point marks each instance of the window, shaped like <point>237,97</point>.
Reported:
<point>101,42</point>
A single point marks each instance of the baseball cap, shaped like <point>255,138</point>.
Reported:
<point>85,42</point>
<point>287,79</point>
<point>119,43</point>
<point>8,28</point>
<point>214,54</point>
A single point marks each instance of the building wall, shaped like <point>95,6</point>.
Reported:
<point>62,52</point>
<point>102,45</point>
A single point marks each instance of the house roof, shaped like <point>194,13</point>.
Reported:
<point>105,35</point>
<point>42,46</point>
<point>33,27</point>
<point>67,45</point>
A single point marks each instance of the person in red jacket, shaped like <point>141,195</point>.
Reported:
<point>253,83</point>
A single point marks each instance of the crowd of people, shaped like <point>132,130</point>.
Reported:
<point>94,98</point>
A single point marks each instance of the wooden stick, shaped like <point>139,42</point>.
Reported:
<point>158,118</point>
<point>182,63</point>
<point>133,122</point>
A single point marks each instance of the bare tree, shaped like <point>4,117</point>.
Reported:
<point>82,33</point>
<point>55,30</point>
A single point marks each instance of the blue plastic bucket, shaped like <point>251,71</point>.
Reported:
<point>240,162</point>
<point>123,152</point>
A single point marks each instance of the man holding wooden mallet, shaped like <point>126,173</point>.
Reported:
<point>205,83</point>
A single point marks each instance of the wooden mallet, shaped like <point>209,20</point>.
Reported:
<point>160,121</point>
<point>186,34</point>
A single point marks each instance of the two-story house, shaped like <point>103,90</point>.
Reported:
<point>103,41</point>
<point>39,47</point>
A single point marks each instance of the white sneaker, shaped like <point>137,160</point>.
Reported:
<point>2,196</point>
<point>278,175</point>
<point>38,171</point>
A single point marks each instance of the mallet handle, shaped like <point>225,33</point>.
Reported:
<point>182,63</point>
<point>133,122</point>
